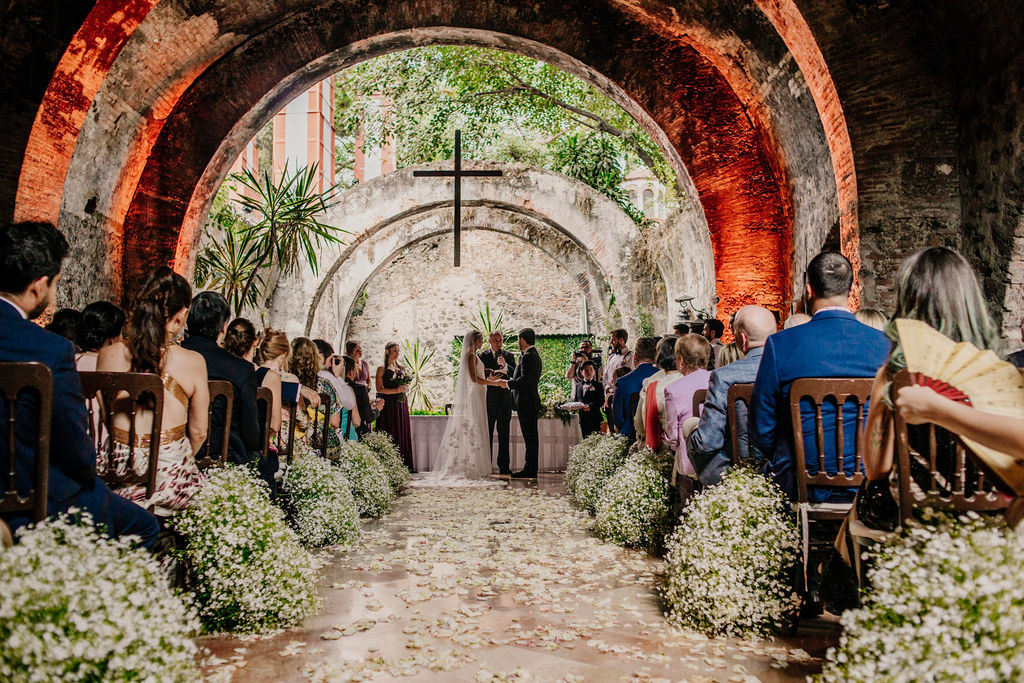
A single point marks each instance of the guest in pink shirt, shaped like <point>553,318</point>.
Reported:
<point>692,354</point>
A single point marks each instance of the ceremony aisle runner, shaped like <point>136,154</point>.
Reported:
<point>498,584</point>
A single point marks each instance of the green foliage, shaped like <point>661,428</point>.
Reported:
<point>323,511</point>
<point>368,478</point>
<point>419,361</point>
<point>645,324</point>
<point>288,228</point>
<point>487,322</point>
<point>634,508</point>
<point>230,260</point>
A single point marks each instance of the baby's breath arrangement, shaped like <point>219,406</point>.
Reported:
<point>323,511</point>
<point>726,559</point>
<point>367,478</point>
<point>77,606</point>
<point>252,574</point>
<point>591,463</point>
<point>946,603</point>
<point>387,452</point>
<point>634,507</point>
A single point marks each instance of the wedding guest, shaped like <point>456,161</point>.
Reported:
<point>30,264</point>
<point>368,410</point>
<point>241,340</point>
<point>713,331</point>
<point>709,447</point>
<point>392,382</point>
<point>101,325</point>
<point>609,397</point>
<point>692,354</point>
<point>499,362</point>
<point>796,320</point>
<point>354,350</point>
<point>340,418</point>
<point>648,421</point>
<point>207,325</point>
<point>304,364</point>
<point>681,329</point>
<point>592,396</point>
<point>627,389</point>
<point>730,353</point>
<point>150,346</point>
<point>274,352</point>
<point>332,369</point>
<point>65,323</point>
<point>618,356</point>
<point>872,318</point>
<point>856,350</point>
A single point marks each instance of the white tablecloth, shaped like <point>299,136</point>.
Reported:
<point>556,439</point>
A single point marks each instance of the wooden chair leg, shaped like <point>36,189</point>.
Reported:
<point>6,539</point>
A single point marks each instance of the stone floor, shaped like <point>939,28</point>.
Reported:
<point>500,584</point>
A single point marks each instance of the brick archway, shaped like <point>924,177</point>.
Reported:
<point>177,88</point>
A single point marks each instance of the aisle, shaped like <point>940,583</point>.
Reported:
<point>459,584</point>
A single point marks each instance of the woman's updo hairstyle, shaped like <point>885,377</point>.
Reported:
<point>273,344</point>
<point>239,337</point>
<point>101,321</point>
<point>163,295</point>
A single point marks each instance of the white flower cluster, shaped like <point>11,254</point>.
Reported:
<point>634,508</point>
<point>323,511</point>
<point>946,603</point>
<point>726,559</point>
<point>387,452</point>
<point>77,606</point>
<point>591,463</point>
<point>367,478</point>
<point>251,571</point>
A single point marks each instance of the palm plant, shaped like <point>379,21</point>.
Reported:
<point>418,360</point>
<point>288,228</point>
<point>488,322</point>
<point>228,262</point>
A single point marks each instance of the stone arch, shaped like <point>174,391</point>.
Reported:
<point>715,82</point>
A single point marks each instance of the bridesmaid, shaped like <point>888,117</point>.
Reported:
<point>392,383</point>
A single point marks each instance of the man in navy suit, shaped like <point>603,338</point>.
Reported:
<point>632,384</point>
<point>30,260</point>
<point>525,386</point>
<point>832,344</point>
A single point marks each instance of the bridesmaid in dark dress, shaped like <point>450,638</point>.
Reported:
<point>392,383</point>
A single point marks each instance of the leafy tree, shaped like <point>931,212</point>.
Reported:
<point>228,262</point>
<point>488,322</point>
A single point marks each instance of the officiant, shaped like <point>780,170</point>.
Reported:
<point>499,364</point>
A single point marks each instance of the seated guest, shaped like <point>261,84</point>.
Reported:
<point>30,261</point>
<point>649,421</point>
<point>355,350</point>
<point>157,321</point>
<point>368,410</point>
<point>305,357</point>
<point>692,354</point>
<point>609,397</point>
<point>796,320</point>
<point>242,341</point>
<point>709,447</point>
<point>713,331</point>
<point>592,395</point>
<point>332,369</point>
<point>207,324</point>
<point>681,329</point>
<point>627,389</point>
<point>731,353</point>
<point>65,323</point>
<point>872,318</point>
<point>304,365</point>
<point>832,344</point>
<point>101,325</point>
<point>274,352</point>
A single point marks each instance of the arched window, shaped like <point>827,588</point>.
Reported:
<point>632,197</point>
<point>648,201</point>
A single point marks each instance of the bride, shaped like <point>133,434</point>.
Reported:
<point>465,455</point>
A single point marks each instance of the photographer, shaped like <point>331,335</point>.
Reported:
<point>575,370</point>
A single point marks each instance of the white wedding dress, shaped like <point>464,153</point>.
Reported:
<point>464,458</point>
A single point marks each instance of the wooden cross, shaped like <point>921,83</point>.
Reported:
<point>458,174</point>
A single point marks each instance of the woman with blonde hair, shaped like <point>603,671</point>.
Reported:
<point>692,354</point>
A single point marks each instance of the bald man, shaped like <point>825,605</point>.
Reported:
<point>709,446</point>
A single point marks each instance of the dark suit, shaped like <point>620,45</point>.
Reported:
<point>591,393</point>
<point>367,414</point>
<point>525,385</point>
<point>499,405</point>
<point>72,474</point>
<point>626,388</point>
<point>244,438</point>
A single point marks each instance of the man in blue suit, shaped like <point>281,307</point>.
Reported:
<point>832,344</point>
<point>631,385</point>
<point>30,260</point>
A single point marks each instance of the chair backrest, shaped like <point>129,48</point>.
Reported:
<point>15,379</point>
<point>219,388</point>
<point>140,390</point>
<point>286,439</point>
<point>265,396</point>
<point>699,397</point>
<point>984,496</point>
<point>818,390</point>
<point>324,425</point>
<point>737,392</point>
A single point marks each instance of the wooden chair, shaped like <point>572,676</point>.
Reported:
<point>141,390</point>
<point>265,396</point>
<point>819,391</point>
<point>16,379</point>
<point>323,425</point>
<point>286,446</point>
<point>737,392</point>
<point>219,389</point>
<point>955,497</point>
<point>699,397</point>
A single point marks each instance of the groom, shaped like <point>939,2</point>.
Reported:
<point>524,385</point>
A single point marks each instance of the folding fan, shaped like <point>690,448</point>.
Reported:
<point>962,372</point>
